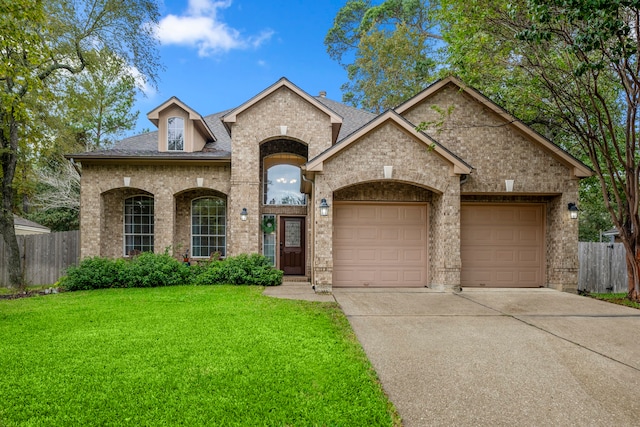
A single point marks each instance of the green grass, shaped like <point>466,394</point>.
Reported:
<point>617,298</point>
<point>217,355</point>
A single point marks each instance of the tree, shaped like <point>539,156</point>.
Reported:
<point>581,59</point>
<point>43,39</point>
<point>388,50</point>
<point>98,102</point>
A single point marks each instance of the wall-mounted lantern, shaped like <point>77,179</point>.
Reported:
<point>508,183</point>
<point>244,214</point>
<point>324,207</point>
<point>573,210</point>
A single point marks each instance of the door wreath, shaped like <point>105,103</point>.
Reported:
<point>269,224</point>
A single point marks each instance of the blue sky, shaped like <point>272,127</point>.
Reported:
<point>219,53</point>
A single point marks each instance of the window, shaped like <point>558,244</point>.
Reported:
<point>138,225</point>
<point>175,134</point>
<point>208,227</point>
<point>282,180</point>
<point>269,238</point>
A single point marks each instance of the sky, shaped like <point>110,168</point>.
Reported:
<point>218,54</point>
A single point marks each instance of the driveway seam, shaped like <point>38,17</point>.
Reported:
<point>556,335</point>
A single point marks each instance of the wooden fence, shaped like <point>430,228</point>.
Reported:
<point>602,267</point>
<point>44,256</point>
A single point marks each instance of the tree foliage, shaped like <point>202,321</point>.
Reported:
<point>43,42</point>
<point>388,50</point>
<point>578,65</point>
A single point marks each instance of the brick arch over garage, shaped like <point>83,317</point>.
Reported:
<point>432,180</point>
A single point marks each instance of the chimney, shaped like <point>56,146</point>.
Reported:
<point>323,94</point>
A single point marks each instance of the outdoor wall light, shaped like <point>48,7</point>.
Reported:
<point>324,207</point>
<point>243,214</point>
<point>508,183</point>
<point>573,210</point>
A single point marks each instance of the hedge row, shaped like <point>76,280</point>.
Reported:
<point>153,270</point>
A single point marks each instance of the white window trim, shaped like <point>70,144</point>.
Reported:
<point>226,226</point>
<point>124,223</point>
<point>183,133</point>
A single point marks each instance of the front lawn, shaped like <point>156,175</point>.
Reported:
<point>183,355</point>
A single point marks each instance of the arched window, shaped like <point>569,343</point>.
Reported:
<point>282,180</point>
<point>208,227</point>
<point>138,225</point>
<point>175,134</point>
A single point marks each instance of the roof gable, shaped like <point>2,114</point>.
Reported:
<point>198,121</point>
<point>458,166</point>
<point>336,119</point>
<point>579,169</point>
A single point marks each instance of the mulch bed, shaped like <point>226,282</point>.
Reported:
<point>27,294</point>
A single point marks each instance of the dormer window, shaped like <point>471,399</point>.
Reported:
<point>175,134</point>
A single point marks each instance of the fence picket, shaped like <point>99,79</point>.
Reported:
<point>45,256</point>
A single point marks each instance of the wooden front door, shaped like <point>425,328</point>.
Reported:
<point>292,245</point>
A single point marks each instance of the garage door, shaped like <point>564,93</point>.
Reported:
<point>502,245</point>
<point>380,245</point>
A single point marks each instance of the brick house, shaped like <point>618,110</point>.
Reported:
<point>343,197</point>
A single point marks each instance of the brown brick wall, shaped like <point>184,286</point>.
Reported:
<point>103,192</point>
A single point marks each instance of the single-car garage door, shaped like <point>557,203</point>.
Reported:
<point>502,245</point>
<point>381,245</point>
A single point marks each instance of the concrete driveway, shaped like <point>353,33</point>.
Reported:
<point>500,357</point>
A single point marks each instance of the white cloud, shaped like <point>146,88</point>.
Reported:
<point>201,28</point>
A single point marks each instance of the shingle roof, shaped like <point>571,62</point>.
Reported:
<point>23,222</point>
<point>146,145</point>
<point>352,118</point>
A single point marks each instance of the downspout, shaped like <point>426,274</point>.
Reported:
<point>75,166</point>
<point>313,230</point>
<point>464,178</point>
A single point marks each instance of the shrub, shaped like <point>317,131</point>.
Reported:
<point>94,273</point>
<point>153,270</point>
<point>254,269</point>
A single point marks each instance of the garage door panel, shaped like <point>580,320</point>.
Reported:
<point>505,236</point>
<point>416,255</point>
<point>390,235</point>
<point>505,256</point>
<point>529,257</point>
<point>502,245</point>
<point>390,249</point>
<point>413,277</point>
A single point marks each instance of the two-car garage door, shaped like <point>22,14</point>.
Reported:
<point>377,244</point>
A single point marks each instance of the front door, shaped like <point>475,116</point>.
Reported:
<point>292,259</point>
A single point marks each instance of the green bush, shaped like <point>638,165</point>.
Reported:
<point>153,270</point>
<point>254,269</point>
<point>149,270</point>
<point>94,273</point>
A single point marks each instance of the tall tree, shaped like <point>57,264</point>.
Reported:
<point>388,50</point>
<point>98,102</point>
<point>41,39</point>
<point>581,60</point>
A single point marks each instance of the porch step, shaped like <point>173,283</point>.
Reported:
<point>295,280</point>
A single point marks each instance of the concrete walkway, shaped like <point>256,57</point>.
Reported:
<point>500,357</point>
